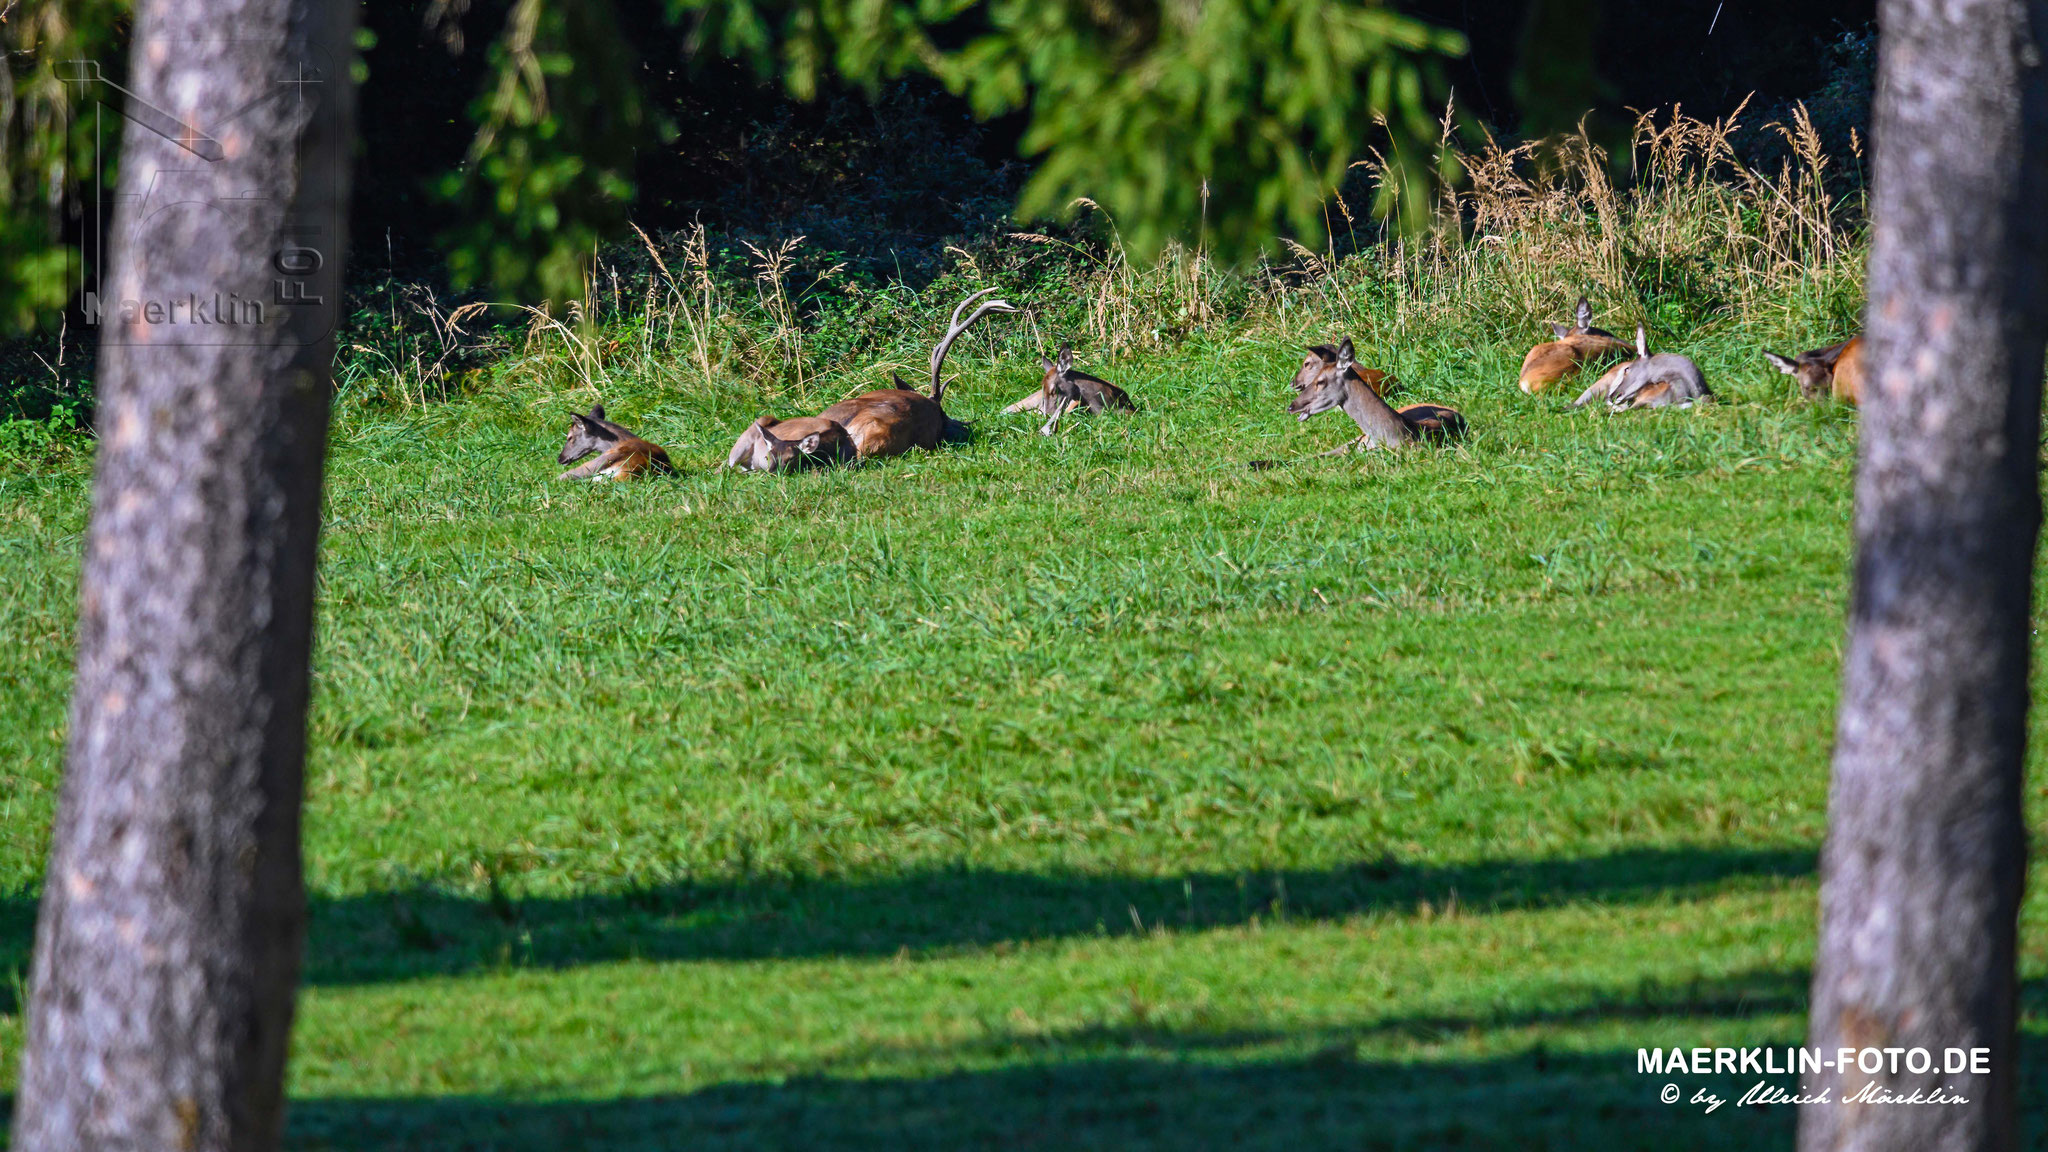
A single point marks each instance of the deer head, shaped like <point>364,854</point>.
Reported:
<point>1815,370</point>
<point>587,434</point>
<point>1327,388</point>
<point>1313,365</point>
<point>813,441</point>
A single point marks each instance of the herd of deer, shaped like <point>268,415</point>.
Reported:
<point>891,421</point>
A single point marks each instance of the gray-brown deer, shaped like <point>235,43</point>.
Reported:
<point>890,421</point>
<point>1666,380</point>
<point>1321,358</point>
<point>773,445</point>
<point>1576,346</point>
<point>621,454</point>
<point>1380,425</point>
<point>1064,388</point>
<point>1836,370</point>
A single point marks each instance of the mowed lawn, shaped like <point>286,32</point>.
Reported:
<point>1092,792</point>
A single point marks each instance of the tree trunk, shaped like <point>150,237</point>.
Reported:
<point>172,918</point>
<point>1925,857</point>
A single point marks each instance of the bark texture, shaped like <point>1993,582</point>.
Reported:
<point>172,917</point>
<point>1921,874</point>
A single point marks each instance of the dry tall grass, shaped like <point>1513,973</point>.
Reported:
<point>1690,238</point>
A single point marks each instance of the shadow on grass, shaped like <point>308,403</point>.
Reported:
<point>1323,1101</point>
<point>425,931</point>
<point>1148,1089</point>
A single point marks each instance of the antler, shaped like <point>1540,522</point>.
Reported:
<point>955,328</point>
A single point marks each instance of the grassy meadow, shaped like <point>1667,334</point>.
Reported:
<point>1094,791</point>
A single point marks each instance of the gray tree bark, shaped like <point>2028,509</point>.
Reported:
<point>1925,856</point>
<point>172,918</point>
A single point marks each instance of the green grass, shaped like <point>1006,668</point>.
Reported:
<point>1092,792</point>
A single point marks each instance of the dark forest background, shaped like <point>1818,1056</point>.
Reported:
<point>881,182</point>
<point>897,175</point>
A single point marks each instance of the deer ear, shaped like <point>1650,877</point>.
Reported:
<point>1345,351</point>
<point>1585,313</point>
<point>1561,330</point>
<point>597,411</point>
<point>1642,344</point>
<point>809,445</point>
<point>1782,364</point>
<point>1048,365</point>
<point>1322,352</point>
<point>1066,361</point>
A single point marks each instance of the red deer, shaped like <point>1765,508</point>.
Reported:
<point>622,455</point>
<point>773,445</point>
<point>1666,380</point>
<point>1575,347</point>
<point>1064,389</point>
<point>1834,371</point>
<point>1379,424</point>
<point>891,421</point>
<point>1319,360</point>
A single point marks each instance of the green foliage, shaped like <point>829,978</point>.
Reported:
<point>1225,121</point>
<point>1222,122</point>
<point>550,170</point>
<point>26,443</point>
<point>46,146</point>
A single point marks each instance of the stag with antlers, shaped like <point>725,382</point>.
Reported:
<point>891,421</point>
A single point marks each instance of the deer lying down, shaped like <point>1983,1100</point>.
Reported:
<point>1834,371</point>
<point>1379,424</point>
<point>891,421</point>
<point>622,455</point>
<point>1064,389</point>
<point>1666,380</point>
<point>1576,346</point>
<point>772,445</point>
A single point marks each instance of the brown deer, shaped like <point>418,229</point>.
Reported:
<point>1064,389</point>
<point>1666,380</point>
<point>773,445</point>
<point>1379,424</point>
<point>1575,347</point>
<point>622,455</point>
<point>1833,371</point>
<point>891,421</point>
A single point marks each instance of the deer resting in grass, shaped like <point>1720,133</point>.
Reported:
<point>621,454</point>
<point>773,445</point>
<point>1064,389</point>
<point>1379,424</point>
<point>890,421</point>
<point>1834,371</point>
<point>1666,380</point>
<point>1576,346</point>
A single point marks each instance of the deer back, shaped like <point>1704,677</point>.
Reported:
<point>889,421</point>
<point>1553,360</point>
<point>1847,382</point>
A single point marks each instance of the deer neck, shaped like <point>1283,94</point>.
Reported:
<point>1374,417</point>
